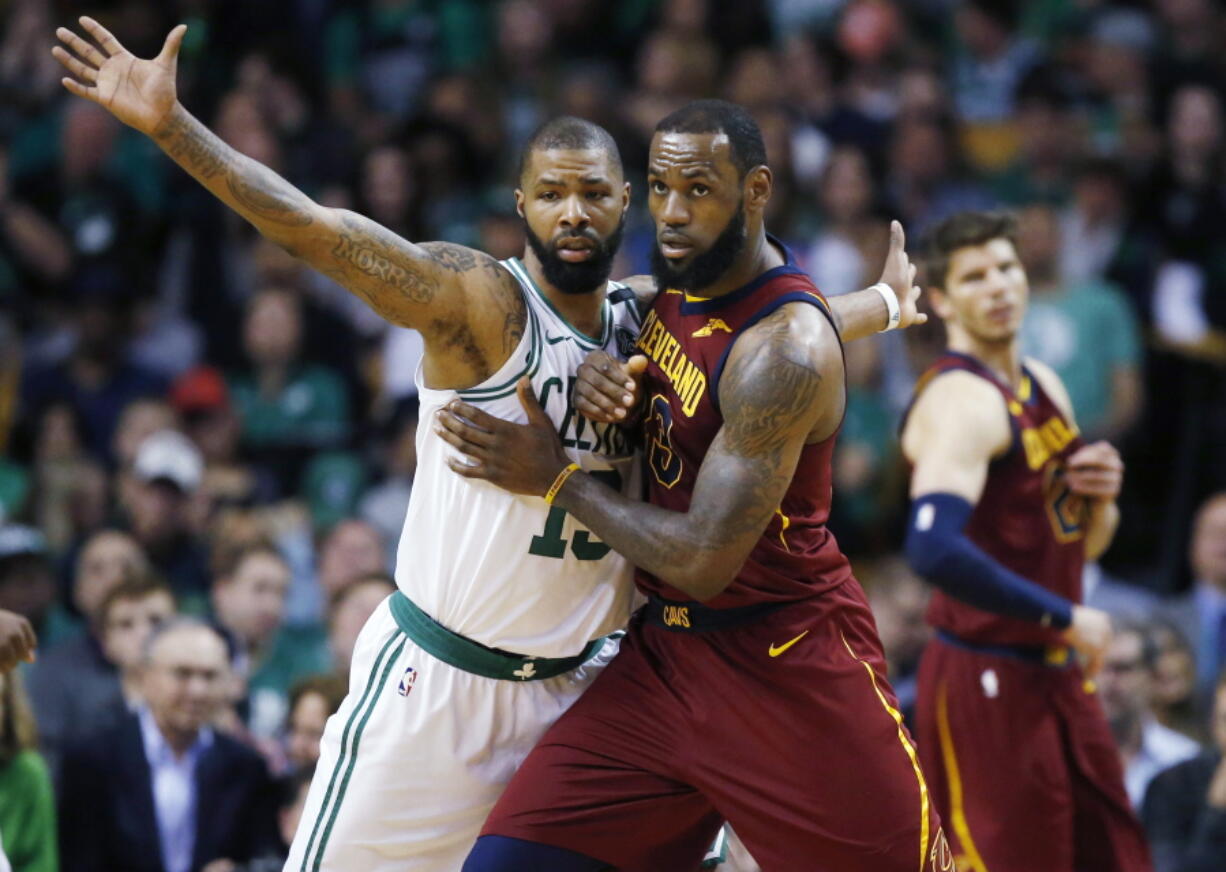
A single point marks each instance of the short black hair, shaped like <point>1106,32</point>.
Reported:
<point>961,230</point>
<point>720,116</point>
<point>569,132</point>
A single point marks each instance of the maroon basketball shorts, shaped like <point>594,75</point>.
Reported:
<point>783,724</point>
<point>1021,763</point>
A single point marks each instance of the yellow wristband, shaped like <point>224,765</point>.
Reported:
<point>570,470</point>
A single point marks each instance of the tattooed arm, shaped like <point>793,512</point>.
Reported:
<point>782,388</point>
<point>412,285</point>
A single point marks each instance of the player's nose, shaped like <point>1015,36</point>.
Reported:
<point>574,213</point>
<point>673,211</point>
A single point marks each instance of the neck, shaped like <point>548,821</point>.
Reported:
<point>1004,358</point>
<point>178,740</point>
<point>583,311</point>
<point>757,257</point>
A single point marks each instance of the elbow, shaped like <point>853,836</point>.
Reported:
<point>704,579</point>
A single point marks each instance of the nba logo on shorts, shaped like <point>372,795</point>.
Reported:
<point>406,681</point>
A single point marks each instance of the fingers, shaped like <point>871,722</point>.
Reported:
<point>461,434</point>
<point>472,469</point>
<point>597,405</point>
<point>84,50</point>
<point>532,406</point>
<point>80,90</point>
<point>31,640</point>
<point>104,37</point>
<point>170,49</point>
<point>636,365</point>
<point>477,418</point>
<point>604,387</point>
<point>911,276</point>
<point>81,71</point>
<point>898,239</point>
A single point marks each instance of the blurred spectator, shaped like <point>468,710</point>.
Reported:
<point>96,379</point>
<point>312,700</point>
<point>1047,145</point>
<point>348,611</point>
<point>1099,236</point>
<point>350,549</point>
<point>925,184</point>
<point>27,803</point>
<point>294,789</point>
<point>853,238</point>
<point>1201,613</point>
<point>75,682</point>
<point>70,488</point>
<point>248,599</point>
<point>130,613</point>
<point>27,585</point>
<point>288,408</point>
<point>33,251</point>
<point>1174,696</point>
<point>991,59</point>
<point>136,796</point>
<point>385,504</point>
<point>166,473</point>
<point>1126,686</point>
<point>17,641</point>
<point>1086,332</point>
<point>1185,809</point>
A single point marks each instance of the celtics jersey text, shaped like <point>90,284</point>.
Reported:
<point>505,570</point>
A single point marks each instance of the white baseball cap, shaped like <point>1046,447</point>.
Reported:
<point>169,456</point>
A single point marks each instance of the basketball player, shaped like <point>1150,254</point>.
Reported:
<point>439,714</point>
<point>1008,503</point>
<point>752,685</point>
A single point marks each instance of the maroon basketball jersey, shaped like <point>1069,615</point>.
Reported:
<point>1027,519</point>
<point>687,340</point>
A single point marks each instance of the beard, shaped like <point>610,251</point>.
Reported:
<point>583,277</point>
<point>709,266</point>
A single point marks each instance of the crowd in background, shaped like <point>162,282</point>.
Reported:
<point>195,424</point>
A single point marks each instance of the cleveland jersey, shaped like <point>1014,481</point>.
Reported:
<point>687,341</point>
<point>505,570</point>
<point>1026,519</point>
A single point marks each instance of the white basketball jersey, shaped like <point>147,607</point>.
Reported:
<point>505,570</point>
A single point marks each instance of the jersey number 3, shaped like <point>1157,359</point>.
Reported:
<point>551,544</point>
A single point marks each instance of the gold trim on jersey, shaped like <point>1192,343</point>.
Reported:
<point>970,854</point>
<point>896,715</point>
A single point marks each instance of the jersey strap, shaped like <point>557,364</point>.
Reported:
<point>455,650</point>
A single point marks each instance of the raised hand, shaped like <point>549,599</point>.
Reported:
<point>899,274</point>
<point>140,93</point>
<point>607,390</point>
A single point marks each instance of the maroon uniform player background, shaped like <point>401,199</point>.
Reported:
<point>1007,505</point>
<point>752,686</point>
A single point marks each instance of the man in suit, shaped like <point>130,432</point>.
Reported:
<point>1201,613</point>
<point>161,791</point>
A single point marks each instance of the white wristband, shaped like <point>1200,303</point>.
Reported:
<point>891,305</point>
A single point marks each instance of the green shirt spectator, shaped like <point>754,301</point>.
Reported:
<point>27,802</point>
<point>1088,334</point>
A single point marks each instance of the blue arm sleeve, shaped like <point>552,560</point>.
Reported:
<point>938,549</point>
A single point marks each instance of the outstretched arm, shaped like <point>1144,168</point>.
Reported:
<point>782,382</point>
<point>411,285</point>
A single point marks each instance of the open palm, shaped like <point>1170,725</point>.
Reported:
<point>138,92</point>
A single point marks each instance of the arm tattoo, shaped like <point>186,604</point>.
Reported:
<point>268,196</point>
<point>448,255</point>
<point>379,261</point>
<point>767,392</point>
<point>190,143</point>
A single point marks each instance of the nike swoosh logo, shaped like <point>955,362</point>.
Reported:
<point>554,340</point>
<point>776,651</point>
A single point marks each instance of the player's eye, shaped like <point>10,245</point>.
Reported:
<point>700,190</point>
<point>658,187</point>
<point>596,195</point>
<point>549,195</point>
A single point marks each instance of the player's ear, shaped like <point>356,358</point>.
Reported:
<point>939,300</point>
<point>519,202</point>
<point>625,197</point>
<point>757,188</point>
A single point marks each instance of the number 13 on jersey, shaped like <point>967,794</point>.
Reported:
<point>550,542</point>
